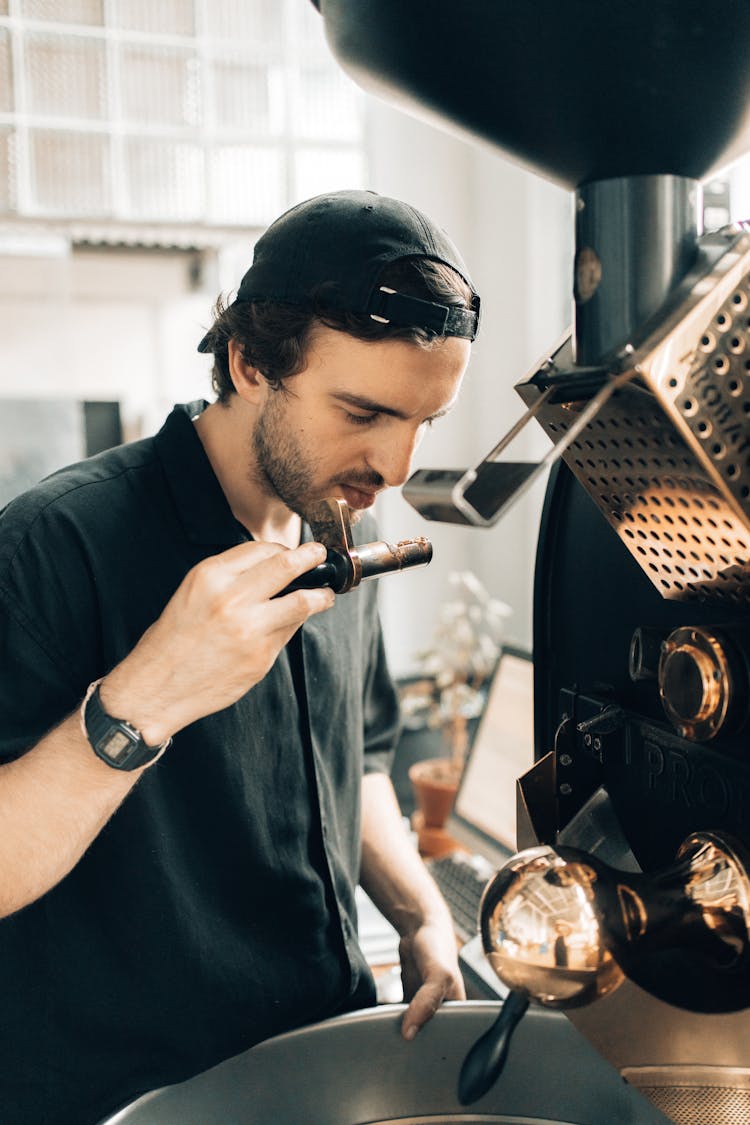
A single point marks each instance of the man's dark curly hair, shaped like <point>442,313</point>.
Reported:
<point>273,335</point>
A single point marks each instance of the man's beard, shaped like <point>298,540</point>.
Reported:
<point>282,469</point>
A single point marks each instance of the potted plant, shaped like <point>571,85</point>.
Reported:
<point>455,667</point>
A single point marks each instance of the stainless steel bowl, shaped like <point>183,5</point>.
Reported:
<point>357,1070</point>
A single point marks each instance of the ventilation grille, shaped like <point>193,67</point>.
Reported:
<point>678,526</point>
<point>695,1095</point>
<point>715,400</point>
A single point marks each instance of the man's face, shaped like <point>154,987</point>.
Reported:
<point>348,425</point>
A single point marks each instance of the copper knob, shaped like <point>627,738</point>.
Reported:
<point>695,682</point>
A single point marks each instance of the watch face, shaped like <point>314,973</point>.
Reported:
<point>116,746</point>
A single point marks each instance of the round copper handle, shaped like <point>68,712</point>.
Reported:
<point>696,684</point>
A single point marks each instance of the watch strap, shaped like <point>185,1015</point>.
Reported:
<point>115,741</point>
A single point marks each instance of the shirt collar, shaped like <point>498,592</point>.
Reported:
<point>201,505</point>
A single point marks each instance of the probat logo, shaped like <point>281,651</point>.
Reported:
<point>696,781</point>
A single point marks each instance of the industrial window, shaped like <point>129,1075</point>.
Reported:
<point>213,114</point>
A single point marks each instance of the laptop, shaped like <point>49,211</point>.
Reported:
<point>483,818</point>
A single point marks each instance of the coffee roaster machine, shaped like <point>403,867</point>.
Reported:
<point>635,821</point>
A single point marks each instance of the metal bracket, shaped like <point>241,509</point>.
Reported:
<point>481,495</point>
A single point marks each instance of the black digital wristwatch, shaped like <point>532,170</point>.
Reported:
<point>115,741</point>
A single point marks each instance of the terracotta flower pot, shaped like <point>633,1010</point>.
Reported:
<point>434,781</point>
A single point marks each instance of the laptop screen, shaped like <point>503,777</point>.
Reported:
<point>484,813</point>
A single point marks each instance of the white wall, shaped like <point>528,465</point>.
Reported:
<point>95,324</point>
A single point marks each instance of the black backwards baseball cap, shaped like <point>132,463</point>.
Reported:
<point>343,240</point>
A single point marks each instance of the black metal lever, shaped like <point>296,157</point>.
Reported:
<point>486,1059</point>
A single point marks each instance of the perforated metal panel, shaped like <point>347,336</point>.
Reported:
<point>673,520</point>
<point>715,401</point>
<point>667,458</point>
<point>694,1095</point>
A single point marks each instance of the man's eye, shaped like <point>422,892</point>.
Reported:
<point>359,419</point>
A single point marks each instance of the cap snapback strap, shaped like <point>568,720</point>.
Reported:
<point>390,307</point>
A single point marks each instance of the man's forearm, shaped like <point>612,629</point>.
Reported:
<point>392,874</point>
<point>53,802</point>
<point>401,887</point>
<point>56,798</point>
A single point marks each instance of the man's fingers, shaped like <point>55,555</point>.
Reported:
<point>289,612</point>
<point>261,558</point>
<point>245,556</point>
<point>257,570</point>
<point>427,1000</point>
<point>422,1008</point>
<point>272,573</point>
<point>456,991</point>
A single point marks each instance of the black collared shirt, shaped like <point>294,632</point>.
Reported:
<point>216,908</point>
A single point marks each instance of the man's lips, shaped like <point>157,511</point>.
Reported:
<point>358,497</point>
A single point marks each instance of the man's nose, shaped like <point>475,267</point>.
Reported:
<point>392,457</point>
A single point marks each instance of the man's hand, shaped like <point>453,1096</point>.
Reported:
<point>429,972</point>
<point>216,638</point>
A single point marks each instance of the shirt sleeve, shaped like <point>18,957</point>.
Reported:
<point>35,690</point>
<point>47,640</point>
<point>380,705</point>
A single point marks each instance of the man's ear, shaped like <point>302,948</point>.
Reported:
<point>248,382</point>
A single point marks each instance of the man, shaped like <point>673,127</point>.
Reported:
<point>176,889</point>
